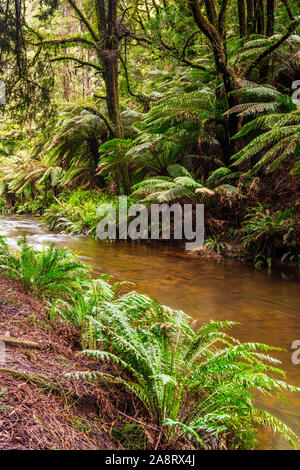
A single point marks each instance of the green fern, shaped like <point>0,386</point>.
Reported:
<point>51,272</point>
<point>189,381</point>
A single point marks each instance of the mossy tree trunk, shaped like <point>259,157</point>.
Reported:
<point>108,52</point>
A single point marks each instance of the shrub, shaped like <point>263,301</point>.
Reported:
<point>51,272</point>
<point>190,382</point>
<point>216,245</point>
<point>3,208</point>
<point>267,234</point>
<point>76,212</point>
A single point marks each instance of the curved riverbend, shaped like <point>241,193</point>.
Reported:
<point>266,305</point>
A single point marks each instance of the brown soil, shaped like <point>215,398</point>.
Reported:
<point>42,409</point>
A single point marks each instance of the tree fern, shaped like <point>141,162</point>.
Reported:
<point>279,141</point>
<point>180,186</point>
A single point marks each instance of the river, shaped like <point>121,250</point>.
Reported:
<point>266,304</point>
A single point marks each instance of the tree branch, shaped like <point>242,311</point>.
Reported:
<point>100,97</point>
<point>41,381</point>
<point>83,63</point>
<point>203,23</point>
<point>288,9</point>
<point>19,342</point>
<point>145,100</point>
<point>221,18</point>
<point>65,41</point>
<point>274,46</point>
<point>193,64</point>
<point>83,19</point>
<point>104,119</point>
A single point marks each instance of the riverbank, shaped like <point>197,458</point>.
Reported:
<point>136,321</point>
<point>39,407</point>
<point>262,236</point>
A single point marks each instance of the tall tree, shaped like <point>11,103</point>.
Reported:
<point>104,28</point>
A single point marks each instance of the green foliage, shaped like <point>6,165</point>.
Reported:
<point>75,212</point>
<point>22,172</point>
<point>117,160</point>
<point>278,139</point>
<point>78,212</point>
<point>180,115</point>
<point>3,208</point>
<point>30,205</point>
<point>179,186</point>
<point>182,118</point>
<point>190,382</point>
<point>266,234</point>
<point>216,245</point>
<point>73,144</point>
<point>51,272</point>
<point>131,435</point>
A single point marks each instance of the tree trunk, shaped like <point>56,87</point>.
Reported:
<point>94,148</point>
<point>242,18</point>
<point>230,84</point>
<point>217,39</point>
<point>66,83</point>
<point>108,51</point>
<point>250,16</point>
<point>110,62</point>
<point>10,199</point>
<point>260,17</point>
<point>270,17</point>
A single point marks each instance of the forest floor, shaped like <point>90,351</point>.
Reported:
<point>40,408</point>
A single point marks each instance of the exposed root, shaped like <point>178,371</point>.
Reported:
<point>19,342</point>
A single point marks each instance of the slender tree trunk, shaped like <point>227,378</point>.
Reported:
<point>260,17</point>
<point>94,147</point>
<point>265,66</point>
<point>10,199</point>
<point>250,16</point>
<point>270,17</point>
<point>230,84</point>
<point>85,73</point>
<point>66,82</point>
<point>211,12</point>
<point>217,38</point>
<point>242,18</point>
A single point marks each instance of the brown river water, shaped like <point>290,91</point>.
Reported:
<point>266,304</point>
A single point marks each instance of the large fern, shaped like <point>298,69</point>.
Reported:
<point>179,186</point>
<point>190,382</point>
<point>280,139</point>
<point>51,272</point>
